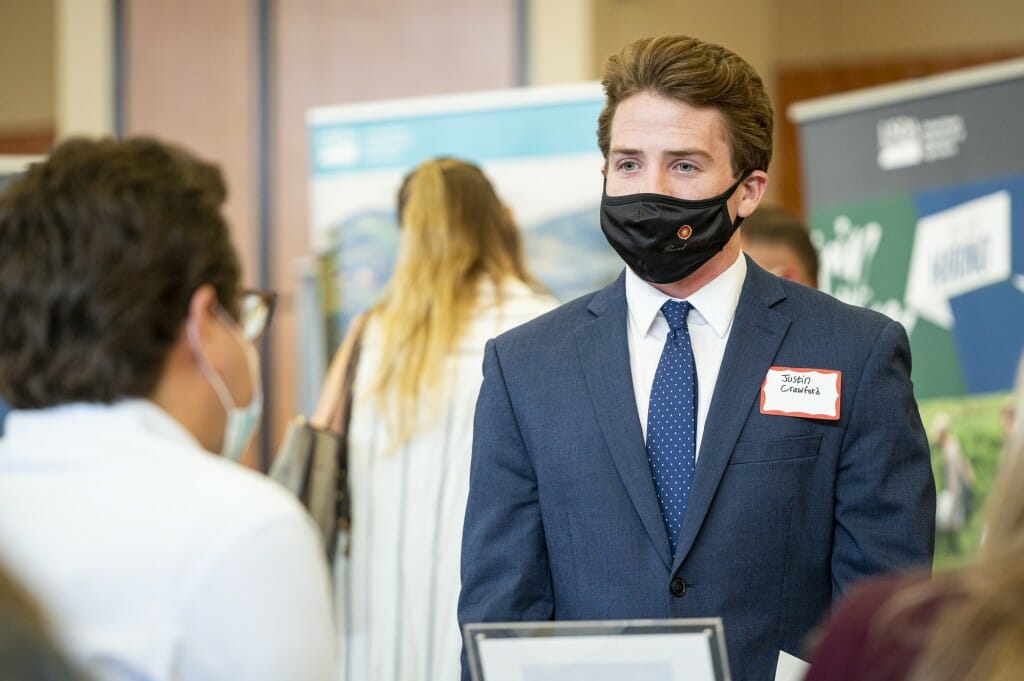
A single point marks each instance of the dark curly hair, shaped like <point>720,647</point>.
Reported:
<point>101,248</point>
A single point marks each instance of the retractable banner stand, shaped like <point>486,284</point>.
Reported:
<point>915,199</point>
<point>537,145</point>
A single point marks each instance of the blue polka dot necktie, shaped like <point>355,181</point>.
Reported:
<point>672,420</point>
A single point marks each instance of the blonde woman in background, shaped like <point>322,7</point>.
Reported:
<point>459,281</point>
<point>966,625</point>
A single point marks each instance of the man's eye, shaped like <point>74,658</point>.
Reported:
<point>628,166</point>
<point>684,167</point>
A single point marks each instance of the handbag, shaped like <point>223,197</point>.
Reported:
<point>312,460</point>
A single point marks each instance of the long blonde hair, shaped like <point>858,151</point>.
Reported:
<point>455,232</point>
<point>979,636</point>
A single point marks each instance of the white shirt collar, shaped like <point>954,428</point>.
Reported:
<point>715,302</point>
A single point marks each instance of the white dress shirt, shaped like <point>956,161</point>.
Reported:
<point>155,559</point>
<point>709,324</point>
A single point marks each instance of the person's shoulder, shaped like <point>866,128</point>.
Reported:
<point>227,497</point>
<point>519,303</point>
<point>235,484</point>
<point>553,323</point>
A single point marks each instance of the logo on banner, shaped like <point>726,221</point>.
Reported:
<point>845,261</point>
<point>845,267</point>
<point>956,251</point>
<point>905,141</point>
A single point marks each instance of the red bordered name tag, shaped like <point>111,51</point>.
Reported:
<point>806,393</point>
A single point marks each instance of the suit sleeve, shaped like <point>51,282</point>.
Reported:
<point>505,573</point>
<point>885,490</point>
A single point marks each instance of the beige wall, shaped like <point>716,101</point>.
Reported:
<point>570,40</point>
<point>27,62</point>
<point>830,30</point>
<point>743,26</point>
<point>560,41</point>
<point>188,80</point>
<point>84,74</point>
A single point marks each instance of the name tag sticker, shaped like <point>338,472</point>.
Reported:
<point>806,393</point>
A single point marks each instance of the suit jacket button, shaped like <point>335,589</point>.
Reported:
<point>677,586</point>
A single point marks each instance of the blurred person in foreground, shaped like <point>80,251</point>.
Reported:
<point>964,625</point>
<point>780,242</point>
<point>127,352</point>
<point>459,280</point>
<point>700,438</point>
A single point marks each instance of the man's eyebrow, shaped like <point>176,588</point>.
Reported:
<point>675,153</point>
<point>671,153</point>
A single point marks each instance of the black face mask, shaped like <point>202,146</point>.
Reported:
<point>664,239</point>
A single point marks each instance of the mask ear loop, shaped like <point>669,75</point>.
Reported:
<point>739,220</point>
<point>216,382</point>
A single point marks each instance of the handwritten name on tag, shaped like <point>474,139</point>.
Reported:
<point>806,393</point>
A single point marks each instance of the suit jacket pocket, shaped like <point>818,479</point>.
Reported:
<point>775,450</point>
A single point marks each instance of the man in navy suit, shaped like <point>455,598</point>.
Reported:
<point>802,462</point>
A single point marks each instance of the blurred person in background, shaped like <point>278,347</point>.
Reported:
<point>965,625</point>
<point>955,500</point>
<point>780,242</point>
<point>1007,419</point>
<point>127,353</point>
<point>459,280</point>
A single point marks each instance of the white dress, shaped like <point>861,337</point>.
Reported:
<point>397,592</point>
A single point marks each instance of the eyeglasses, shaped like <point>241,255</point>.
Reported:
<point>255,309</point>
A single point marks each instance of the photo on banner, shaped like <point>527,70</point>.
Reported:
<point>537,145</point>
<point>915,200</point>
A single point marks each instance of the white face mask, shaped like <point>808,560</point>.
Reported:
<point>241,422</point>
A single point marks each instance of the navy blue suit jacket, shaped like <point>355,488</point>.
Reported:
<point>563,521</point>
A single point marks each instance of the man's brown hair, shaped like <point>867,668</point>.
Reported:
<point>103,245</point>
<point>702,75</point>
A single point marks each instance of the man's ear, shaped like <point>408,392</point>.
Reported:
<point>200,308</point>
<point>751,192</point>
<point>199,322</point>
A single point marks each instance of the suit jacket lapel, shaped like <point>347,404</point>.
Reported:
<point>604,355</point>
<point>744,367</point>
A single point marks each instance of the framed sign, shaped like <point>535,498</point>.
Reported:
<point>612,650</point>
